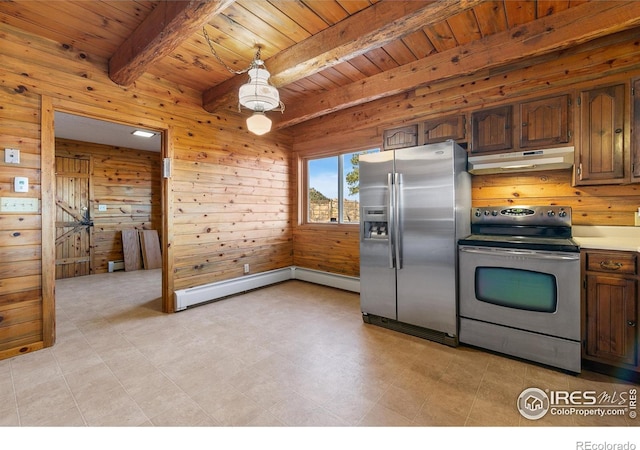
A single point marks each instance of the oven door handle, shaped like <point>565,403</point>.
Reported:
<point>529,253</point>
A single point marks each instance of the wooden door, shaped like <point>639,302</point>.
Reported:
<point>441,129</point>
<point>73,221</point>
<point>491,130</point>
<point>544,122</point>
<point>635,155</point>
<point>611,319</point>
<point>400,137</point>
<point>602,135</point>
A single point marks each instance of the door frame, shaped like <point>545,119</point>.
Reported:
<point>49,106</point>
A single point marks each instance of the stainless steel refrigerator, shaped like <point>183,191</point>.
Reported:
<point>415,205</point>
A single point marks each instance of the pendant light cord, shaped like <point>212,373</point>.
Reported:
<point>213,51</point>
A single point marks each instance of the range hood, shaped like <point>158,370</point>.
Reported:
<point>527,161</point>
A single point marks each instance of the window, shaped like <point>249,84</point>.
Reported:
<point>333,190</point>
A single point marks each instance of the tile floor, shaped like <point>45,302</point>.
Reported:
<point>293,354</point>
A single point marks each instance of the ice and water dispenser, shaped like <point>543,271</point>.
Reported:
<point>375,223</point>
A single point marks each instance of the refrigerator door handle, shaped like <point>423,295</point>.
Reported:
<point>390,224</point>
<point>397,225</point>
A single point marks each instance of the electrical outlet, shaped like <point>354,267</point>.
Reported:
<point>246,268</point>
<point>102,208</point>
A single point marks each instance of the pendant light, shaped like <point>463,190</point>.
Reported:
<point>259,96</point>
<point>256,94</point>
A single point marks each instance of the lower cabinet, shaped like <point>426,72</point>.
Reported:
<point>610,309</point>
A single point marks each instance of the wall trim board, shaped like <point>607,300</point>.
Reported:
<point>205,293</point>
<point>48,234</point>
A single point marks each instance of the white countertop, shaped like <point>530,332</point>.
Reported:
<point>607,237</point>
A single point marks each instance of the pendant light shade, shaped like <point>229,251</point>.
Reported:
<point>258,123</point>
<point>258,94</point>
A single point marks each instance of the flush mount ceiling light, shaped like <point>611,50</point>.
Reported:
<point>256,94</point>
<point>143,133</point>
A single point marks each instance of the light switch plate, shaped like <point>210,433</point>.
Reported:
<point>19,204</point>
<point>12,155</point>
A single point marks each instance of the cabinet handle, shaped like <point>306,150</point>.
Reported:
<point>618,130</point>
<point>631,323</point>
<point>610,265</point>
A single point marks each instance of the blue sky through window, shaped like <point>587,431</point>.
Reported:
<point>323,175</point>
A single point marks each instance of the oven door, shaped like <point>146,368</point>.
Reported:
<point>532,290</point>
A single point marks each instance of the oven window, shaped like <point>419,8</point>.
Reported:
<point>517,288</point>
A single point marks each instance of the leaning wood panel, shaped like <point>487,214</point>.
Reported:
<point>131,250</point>
<point>150,246</point>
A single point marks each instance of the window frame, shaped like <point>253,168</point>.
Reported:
<point>303,186</point>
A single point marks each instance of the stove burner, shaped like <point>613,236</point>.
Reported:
<point>522,227</point>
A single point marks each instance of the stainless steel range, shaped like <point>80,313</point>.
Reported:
<point>519,276</point>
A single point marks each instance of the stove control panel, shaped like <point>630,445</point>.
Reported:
<point>522,215</point>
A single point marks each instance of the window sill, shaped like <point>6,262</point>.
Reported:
<point>330,225</point>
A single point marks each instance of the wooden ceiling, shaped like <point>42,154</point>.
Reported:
<point>323,55</point>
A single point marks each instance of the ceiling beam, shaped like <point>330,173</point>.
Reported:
<point>556,32</point>
<point>162,31</point>
<point>367,30</point>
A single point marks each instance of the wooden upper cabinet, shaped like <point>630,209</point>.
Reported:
<point>544,123</point>
<point>602,135</point>
<point>400,137</point>
<point>635,146</point>
<point>491,129</point>
<point>442,129</point>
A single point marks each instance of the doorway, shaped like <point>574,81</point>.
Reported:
<point>106,181</point>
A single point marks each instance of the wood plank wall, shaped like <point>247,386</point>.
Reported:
<point>20,236</point>
<point>127,181</point>
<point>609,60</point>
<point>590,205</point>
<point>227,202</point>
<point>231,207</point>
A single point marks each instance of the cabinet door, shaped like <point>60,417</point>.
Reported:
<point>400,137</point>
<point>439,130</point>
<point>491,130</point>
<point>544,122</point>
<point>611,319</point>
<point>602,135</point>
<point>636,132</point>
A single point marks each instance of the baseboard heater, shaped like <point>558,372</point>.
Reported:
<point>116,265</point>
<point>185,298</point>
